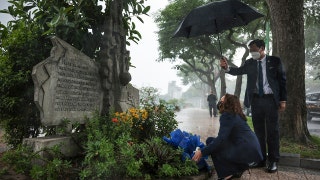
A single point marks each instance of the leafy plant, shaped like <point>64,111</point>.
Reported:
<point>161,119</point>
<point>52,166</point>
<point>19,52</point>
<point>162,160</point>
<point>129,144</point>
<point>107,148</point>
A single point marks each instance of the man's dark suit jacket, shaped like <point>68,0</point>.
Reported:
<point>275,75</point>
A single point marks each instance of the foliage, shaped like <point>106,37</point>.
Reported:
<point>154,121</point>
<point>161,114</point>
<point>312,39</point>
<point>149,96</point>
<point>53,166</point>
<point>137,120</point>
<point>107,149</point>
<point>311,12</point>
<point>162,160</point>
<point>20,159</point>
<point>176,104</point>
<point>19,53</point>
<point>129,144</point>
<point>78,22</point>
<point>312,59</point>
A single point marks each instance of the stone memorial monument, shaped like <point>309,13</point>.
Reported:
<point>68,86</point>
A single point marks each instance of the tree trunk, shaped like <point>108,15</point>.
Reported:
<point>288,43</point>
<point>114,57</point>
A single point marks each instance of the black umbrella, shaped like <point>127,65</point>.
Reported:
<point>215,17</point>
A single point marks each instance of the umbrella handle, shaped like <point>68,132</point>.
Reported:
<point>215,22</point>
<point>220,45</point>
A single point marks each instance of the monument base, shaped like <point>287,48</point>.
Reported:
<point>66,144</point>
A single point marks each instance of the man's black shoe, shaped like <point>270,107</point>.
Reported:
<point>272,167</point>
<point>257,165</point>
<point>238,175</point>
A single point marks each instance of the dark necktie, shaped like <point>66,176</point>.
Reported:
<point>260,80</point>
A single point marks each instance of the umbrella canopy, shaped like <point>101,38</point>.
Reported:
<point>216,17</point>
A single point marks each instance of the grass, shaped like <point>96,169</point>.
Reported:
<point>310,150</point>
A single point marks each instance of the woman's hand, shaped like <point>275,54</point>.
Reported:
<point>197,156</point>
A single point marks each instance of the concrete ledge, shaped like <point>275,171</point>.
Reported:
<point>294,160</point>
<point>67,145</point>
<point>290,159</point>
<point>310,163</point>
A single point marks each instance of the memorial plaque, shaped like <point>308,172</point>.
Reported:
<point>67,85</point>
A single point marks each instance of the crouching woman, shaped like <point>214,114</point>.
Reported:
<point>236,145</point>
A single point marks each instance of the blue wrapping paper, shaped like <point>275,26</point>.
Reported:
<point>188,143</point>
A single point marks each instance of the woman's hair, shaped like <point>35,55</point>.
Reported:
<point>232,105</point>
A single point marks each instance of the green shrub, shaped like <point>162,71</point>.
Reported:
<point>21,49</point>
<point>130,145</point>
<point>24,160</point>
<point>162,160</point>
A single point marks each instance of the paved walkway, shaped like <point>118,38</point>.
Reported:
<point>198,121</point>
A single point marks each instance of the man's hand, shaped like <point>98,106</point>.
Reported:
<point>282,106</point>
<point>224,63</point>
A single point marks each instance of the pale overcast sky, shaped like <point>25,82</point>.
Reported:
<point>4,17</point>
<point>148,72</point>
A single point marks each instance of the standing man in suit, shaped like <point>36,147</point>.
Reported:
<point>212,102</point>
<point>266,94</point>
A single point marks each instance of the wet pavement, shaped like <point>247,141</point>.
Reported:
<point>314,126</point>
<point>198,121</point>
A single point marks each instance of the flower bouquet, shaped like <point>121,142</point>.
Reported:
<point>189,143</point>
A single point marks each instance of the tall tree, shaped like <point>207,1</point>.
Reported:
<point>288,42</point>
